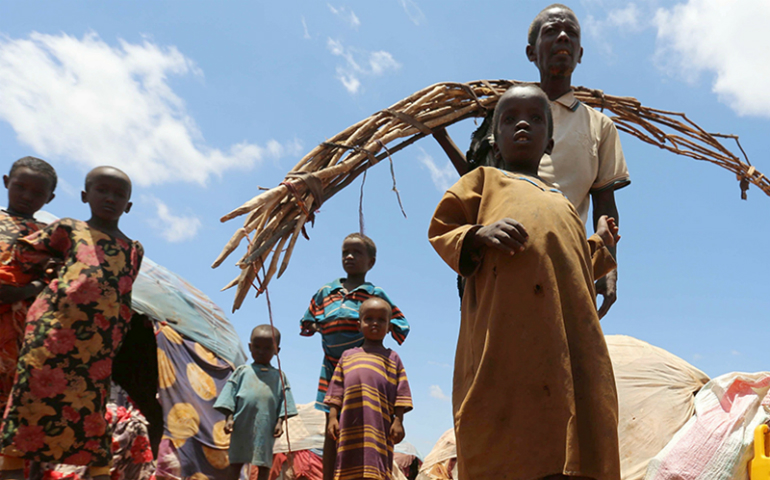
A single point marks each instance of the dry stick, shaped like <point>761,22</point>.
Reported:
<point>356,149</point>
<point>295,235</point>
<point>361,206</point>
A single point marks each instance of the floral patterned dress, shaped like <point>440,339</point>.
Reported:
<point>56,412</point>
<point>12,227</point>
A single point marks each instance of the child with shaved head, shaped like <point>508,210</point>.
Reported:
<point>56,408</point>
<point>534,394</point>
<point>256,403</point>
<point>367,398</point>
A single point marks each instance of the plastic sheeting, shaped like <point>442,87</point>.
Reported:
<point>166,297</point>
<point>716,443</point>
<point>656,397</point>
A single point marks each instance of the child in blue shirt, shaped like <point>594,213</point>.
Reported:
<point>254,404</point>
<point>333,312</point>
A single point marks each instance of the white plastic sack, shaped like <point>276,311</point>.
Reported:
<point>716,443</point>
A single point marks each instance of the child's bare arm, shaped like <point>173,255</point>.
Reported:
<point>607,229</point>
<point>229,423</point>
<point>333,427</point>
<point>278,427</point>
<point>12,294</point>
<point>397,432</point>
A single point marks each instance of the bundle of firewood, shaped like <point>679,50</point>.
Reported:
<point>276,218</point>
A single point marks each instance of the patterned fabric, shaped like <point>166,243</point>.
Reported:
<point>12,227</point>
<point>131,454</point>
<point>57,405</point>
<point>190,377</point>
<point>253,393</point>
<point>336,313</point>
<point>368,387</point>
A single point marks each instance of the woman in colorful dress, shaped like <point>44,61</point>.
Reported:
<point>56,411</point>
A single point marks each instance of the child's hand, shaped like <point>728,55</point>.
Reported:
<point>229,424</point>
<point>397,431</point>
<point>278,428</point>
<point>333,429</point>
<point>309,328</point>
<point>607,229</point>
<point>507,235</point>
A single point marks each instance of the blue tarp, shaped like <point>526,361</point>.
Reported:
<point>166,297</point>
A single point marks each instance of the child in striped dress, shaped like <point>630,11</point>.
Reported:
<point>333,312</point>
<point>367,398</point>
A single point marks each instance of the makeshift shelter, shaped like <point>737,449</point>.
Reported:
<point>182,348</point>
<point>656,397</point>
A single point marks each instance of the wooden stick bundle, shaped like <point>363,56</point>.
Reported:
<point>278,215</point>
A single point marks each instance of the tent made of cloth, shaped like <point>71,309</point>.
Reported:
<point>166,297</point>
<point>656,397</point>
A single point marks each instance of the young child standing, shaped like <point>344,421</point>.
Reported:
<point>30,183</point>
<point>367,398</point>
<point>57,404</point>
<point>534,394</point>
<point>333,312</point>
<point>253,401</point>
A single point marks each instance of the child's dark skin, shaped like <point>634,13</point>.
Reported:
<point>262,351</point>
<point>521,140</point>
<point>374,323</point>
<point>356,261</point>
<point>108,193</point>
<point>28,191</point>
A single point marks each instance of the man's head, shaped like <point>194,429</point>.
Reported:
<point>523,127</point>
<point>30,183</point>
<point>358,254</point>
<point>261,344</point>
<point>554,41</point>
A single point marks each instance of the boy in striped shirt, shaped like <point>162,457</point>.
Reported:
<point>333,312</point>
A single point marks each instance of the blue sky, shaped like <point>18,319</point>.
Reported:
<point>203,102</point>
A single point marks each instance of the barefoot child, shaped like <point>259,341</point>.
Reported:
<point>254,404</point>
<point>30,183</point>
<point>367,398</point>
<point>56,409</point>
<point>333,311</point>
<point>534,394</point>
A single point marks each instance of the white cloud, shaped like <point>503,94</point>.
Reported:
<point>89,103</point>
<point>173,228</point>
<point>349,16</point>
<point>725,39</point>
<point>628,18</point>
<point>443,177</point>
<point>359,63</point>
<point>412,11</point>
<point>436,392</point>
<point>306,36</point>
<point>735,352</point>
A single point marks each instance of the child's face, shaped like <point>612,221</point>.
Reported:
<point>355,257</point>
<point>262,349</point>
<point>522,128</point>
<point>28,190</point>
<point>108,195</point>
<point>374,321</point>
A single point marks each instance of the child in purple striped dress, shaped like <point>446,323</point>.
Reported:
<point>367,398</point>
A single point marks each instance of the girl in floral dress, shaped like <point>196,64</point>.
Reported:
<point>57,405</point>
